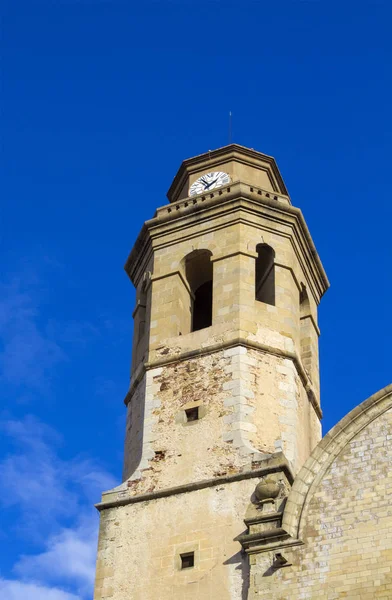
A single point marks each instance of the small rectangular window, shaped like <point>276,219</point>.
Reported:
<point>187,560</point>
<point>192,414</point>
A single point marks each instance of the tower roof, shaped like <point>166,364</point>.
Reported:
<point>239,161</point>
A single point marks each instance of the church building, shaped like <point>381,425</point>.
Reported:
<point>229,491</point>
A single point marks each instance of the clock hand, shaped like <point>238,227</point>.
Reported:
<point>212,183</point>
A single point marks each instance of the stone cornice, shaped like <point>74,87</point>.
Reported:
<point>272,464</point>
<point>265,541</point>
<point>138,259</point>
<point>227,199</point>
<point>213,158</point>
<point>219,196</point>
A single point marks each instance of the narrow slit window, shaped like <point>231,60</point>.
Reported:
<point>187,560</point>
<point>304,305</point>
<point>192,414</point>
<point>265,274</point>
<point>140,313</point>
<point>307,346</point>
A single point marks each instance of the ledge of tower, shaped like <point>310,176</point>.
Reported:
<point>239,162</point>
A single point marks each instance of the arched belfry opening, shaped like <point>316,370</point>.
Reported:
<point>265,274</point>
<point>198,271</point>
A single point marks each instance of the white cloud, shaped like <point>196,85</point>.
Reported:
<point>39,482</point>
<point>50,496</point>
<point>18,590</point>
<point>47,490</point>
<point>28,354</point>
<point>69,557</point>
<point>33,474</point>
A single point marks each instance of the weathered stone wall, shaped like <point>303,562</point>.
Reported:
<point>277,391</point>
<point>255,400</point>
<point>244,373</point>
<point>140,545</point>
<point>251,403</point>
<point>169,442</point>
<point>345,526</point>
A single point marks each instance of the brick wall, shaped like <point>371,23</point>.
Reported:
<point>345,520</point>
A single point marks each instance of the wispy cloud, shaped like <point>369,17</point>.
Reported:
<point>18,590</point>
<point>39,482</point>
<point>51,494</point>
<point>47,489</point>
<point>69,557</point>
<point>31,347</point>
<point>33,476</point>
<point>27,353</point>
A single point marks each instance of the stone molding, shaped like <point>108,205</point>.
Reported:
<point>309,477</point>
<point>137,307</point>
<point>274,539</point>
<point>272,464</point>
<point>168,216</point>
<point>250,344</point>
<point>213,158</point>
<point>316,327</point>
<point>218,257</point>
<point>222,195</point>
<point>172,274</point>
<point>142,253</point>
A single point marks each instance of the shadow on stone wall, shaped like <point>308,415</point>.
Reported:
<point>241,560</point>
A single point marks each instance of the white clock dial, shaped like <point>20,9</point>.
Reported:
<point>209,181</point>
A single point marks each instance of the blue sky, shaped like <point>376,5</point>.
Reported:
<point>101,101</point>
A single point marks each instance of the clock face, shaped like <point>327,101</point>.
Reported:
<point>208,182</point>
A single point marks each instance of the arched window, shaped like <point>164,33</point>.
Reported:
<point>198,271</point>
<point>265,274</point>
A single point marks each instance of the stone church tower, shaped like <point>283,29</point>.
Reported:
<point>223,407</point>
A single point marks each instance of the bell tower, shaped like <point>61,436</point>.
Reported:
<point>224,383</point>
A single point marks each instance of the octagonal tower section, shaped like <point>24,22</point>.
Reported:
<point>225,365</point>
